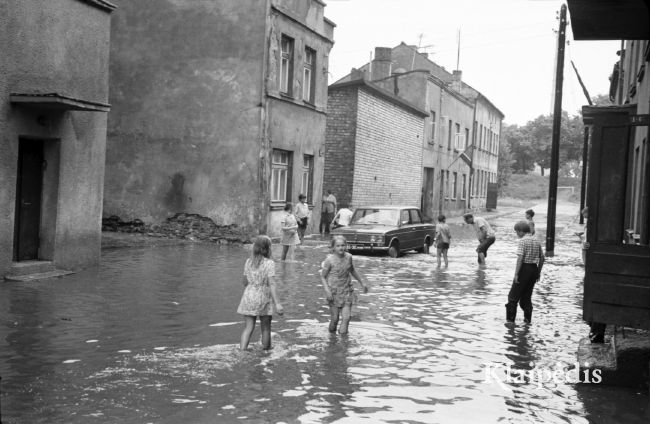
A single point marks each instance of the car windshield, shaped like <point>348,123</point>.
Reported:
<point>375,216</point>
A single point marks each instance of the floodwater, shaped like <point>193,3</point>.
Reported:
<point>151,337</point>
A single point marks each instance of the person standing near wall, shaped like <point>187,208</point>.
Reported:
<point>289,231</point>
<point>342,218</point>
<point>327,212</point>
<point>302,214</point>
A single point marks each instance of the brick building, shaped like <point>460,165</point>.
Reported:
<point>373,146</point>
<point>218,108</point>
<point>53,112</point>
<point>460,143</point>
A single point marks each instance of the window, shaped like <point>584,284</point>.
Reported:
<point>415,216</point>
<point>308,75</point>
<point>454,185</point>
<point>458,144</point>
<point>404,217</point>
<point>480,137</point>
<point>449,135</point>
<point>447,186</point>
<point>280,175</point>
<point>442,184</point>
<point>432,140</point>
<point>286,65</point>
<point>463,187</point>
<point>466,138</point>
<point>306,184</point>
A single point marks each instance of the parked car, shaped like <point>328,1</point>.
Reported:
<point>392,229</point>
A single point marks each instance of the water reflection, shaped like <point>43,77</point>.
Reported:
<point>151,336</point>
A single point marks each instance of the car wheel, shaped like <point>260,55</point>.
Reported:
<point>393,250</point>
<point>425,247</point>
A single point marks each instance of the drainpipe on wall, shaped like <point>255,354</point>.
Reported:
<point>471,167</point>
<point>264,200</point>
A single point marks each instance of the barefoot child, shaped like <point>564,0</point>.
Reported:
<point>337,282</point>
<point>259,298</point>
<point>530,260</point>
<point>443,238</point>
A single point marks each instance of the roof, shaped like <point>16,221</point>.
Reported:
<point>610,19</point>
<point>57,101</point>
<point>380,92</point>
<point>100,4</point>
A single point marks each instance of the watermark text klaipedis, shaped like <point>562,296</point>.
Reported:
<point>507,376</point>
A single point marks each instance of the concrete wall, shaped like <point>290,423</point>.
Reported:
<point>388,153</point>
<point>186,95</point>
<point>55,46</point>
<point>340,137</point>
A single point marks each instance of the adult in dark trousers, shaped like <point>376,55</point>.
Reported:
<point>328,209</point>
<point>484,233</point>
<point>530,260</point>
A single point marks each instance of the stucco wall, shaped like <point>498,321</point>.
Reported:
<point>388,155</point>
<point>186,95</point>
<point>55,46</point>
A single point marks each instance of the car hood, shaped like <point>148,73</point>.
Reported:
<point>364,229</point>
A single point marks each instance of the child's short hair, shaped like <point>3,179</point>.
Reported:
<point>337,238</point>
<point>530,212</point>
<point>522,226</point>
<point>261,249</point>
<point>468,216</point>
<point>441,218</point>
<point>288,207</point>
<point>302,196</point>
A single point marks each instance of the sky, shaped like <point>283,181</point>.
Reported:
<point>507,47</point>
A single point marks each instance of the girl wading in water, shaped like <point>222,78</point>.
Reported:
<point>337,282</point>
<point>260,298</point>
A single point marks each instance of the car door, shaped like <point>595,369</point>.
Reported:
<point>418,228</point>
<point>406,235</point>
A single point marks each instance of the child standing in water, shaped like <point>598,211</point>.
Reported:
<point>260,298</point>
<point>337,282</point>
<point>529,218</point>
<point>443,238</point>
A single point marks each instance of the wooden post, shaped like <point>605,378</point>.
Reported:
<point>583,184</point>
<point>555,143</point>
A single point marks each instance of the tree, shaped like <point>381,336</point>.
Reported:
<point>505,166</point>
<point>520,148</point>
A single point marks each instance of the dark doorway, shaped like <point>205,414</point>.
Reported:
<point>427,193</point>
<point>28,200</point>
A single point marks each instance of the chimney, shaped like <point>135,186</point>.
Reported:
<point>457,80</point>
<point>358,74</point>
<point>381,64</point>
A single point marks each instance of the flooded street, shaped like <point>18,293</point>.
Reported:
<point>152,337</point>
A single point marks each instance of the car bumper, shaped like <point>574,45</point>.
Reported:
<point>371,247</point>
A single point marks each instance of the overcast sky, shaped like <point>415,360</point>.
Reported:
<point>507,47</point>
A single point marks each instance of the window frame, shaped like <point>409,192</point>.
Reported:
<point>286,86</point>
<point>311,80</point>
<point>308,172</point>
<point>282,168</point>
<point>463,187</point>
<point>454,186</point>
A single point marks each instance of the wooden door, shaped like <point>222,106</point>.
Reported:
<point>427,193</point>
<point>28,200</point>
<point>617,273</point>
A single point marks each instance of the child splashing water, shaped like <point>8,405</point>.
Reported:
<point>260,298</point>
<point>337,282</point>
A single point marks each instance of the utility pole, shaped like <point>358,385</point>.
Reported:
<point>555,143</point>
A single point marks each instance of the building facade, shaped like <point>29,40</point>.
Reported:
<point>53,113</point>
<point>218,109</point>
<point>617,267</point>
<point>373,146</point>
<point>459,147</point>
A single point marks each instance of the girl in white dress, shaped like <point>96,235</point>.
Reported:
<point>260,298</point>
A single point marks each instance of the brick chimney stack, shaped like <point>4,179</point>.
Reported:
<point>381,64</point>
<point>457,79</point>
<point>358,74</point>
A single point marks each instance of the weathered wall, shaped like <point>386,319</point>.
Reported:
<point>388,154</point>
<point>55,46</point>
<point>296,124</point>
<point>340,136</point>
<point>186,92</point>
